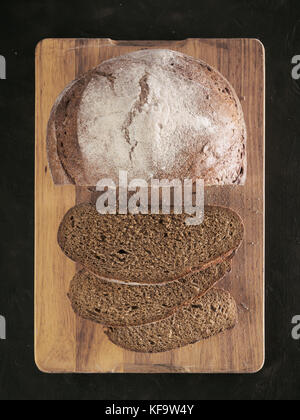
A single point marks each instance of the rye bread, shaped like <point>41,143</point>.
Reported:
<point>154,113</point>
<point>148,249</point>
<point>120,305</point>
<point>203,318</point>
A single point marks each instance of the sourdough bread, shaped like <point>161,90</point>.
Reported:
<point>204,317</point>
<point>112,304</point>
<point>148,249</point>
<point>154,113</point>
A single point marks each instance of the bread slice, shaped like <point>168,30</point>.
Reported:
<point>113,304</point>
<point>205,317</point>
<point>152,112</point>
<point>148,249</point>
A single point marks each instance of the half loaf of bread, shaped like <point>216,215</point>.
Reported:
<point>153,113</point>
<point>203,318</point>
<point>113,304</point>
<point>148,249</point>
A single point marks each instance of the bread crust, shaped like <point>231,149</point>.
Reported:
<point>58,172</point>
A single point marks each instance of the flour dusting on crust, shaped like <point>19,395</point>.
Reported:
<point>160,113</point>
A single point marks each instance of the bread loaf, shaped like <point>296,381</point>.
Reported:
<point>154,113</point>
<point>113,304</point>
<point>148,249</point>
<point>204,317</point>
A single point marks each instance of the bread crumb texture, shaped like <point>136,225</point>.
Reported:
<point>148,249</point>
<point>203,318</point>
<point>113,304</point>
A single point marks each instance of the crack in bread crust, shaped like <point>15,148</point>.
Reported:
<point>137,108</point>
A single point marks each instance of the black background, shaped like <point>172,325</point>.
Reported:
<point>22,24</point>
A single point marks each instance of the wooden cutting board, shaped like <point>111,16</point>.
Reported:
<point>65,343</point>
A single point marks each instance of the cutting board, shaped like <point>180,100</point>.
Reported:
<point>66,343</point>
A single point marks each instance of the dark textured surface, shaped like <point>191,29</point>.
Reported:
<point>22,25</point>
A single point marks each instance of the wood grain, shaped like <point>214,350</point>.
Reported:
<point>65,343</point>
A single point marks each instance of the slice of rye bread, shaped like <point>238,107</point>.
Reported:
<point>148,249</point>
<point>205,317</point>
<point>119,305</point>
